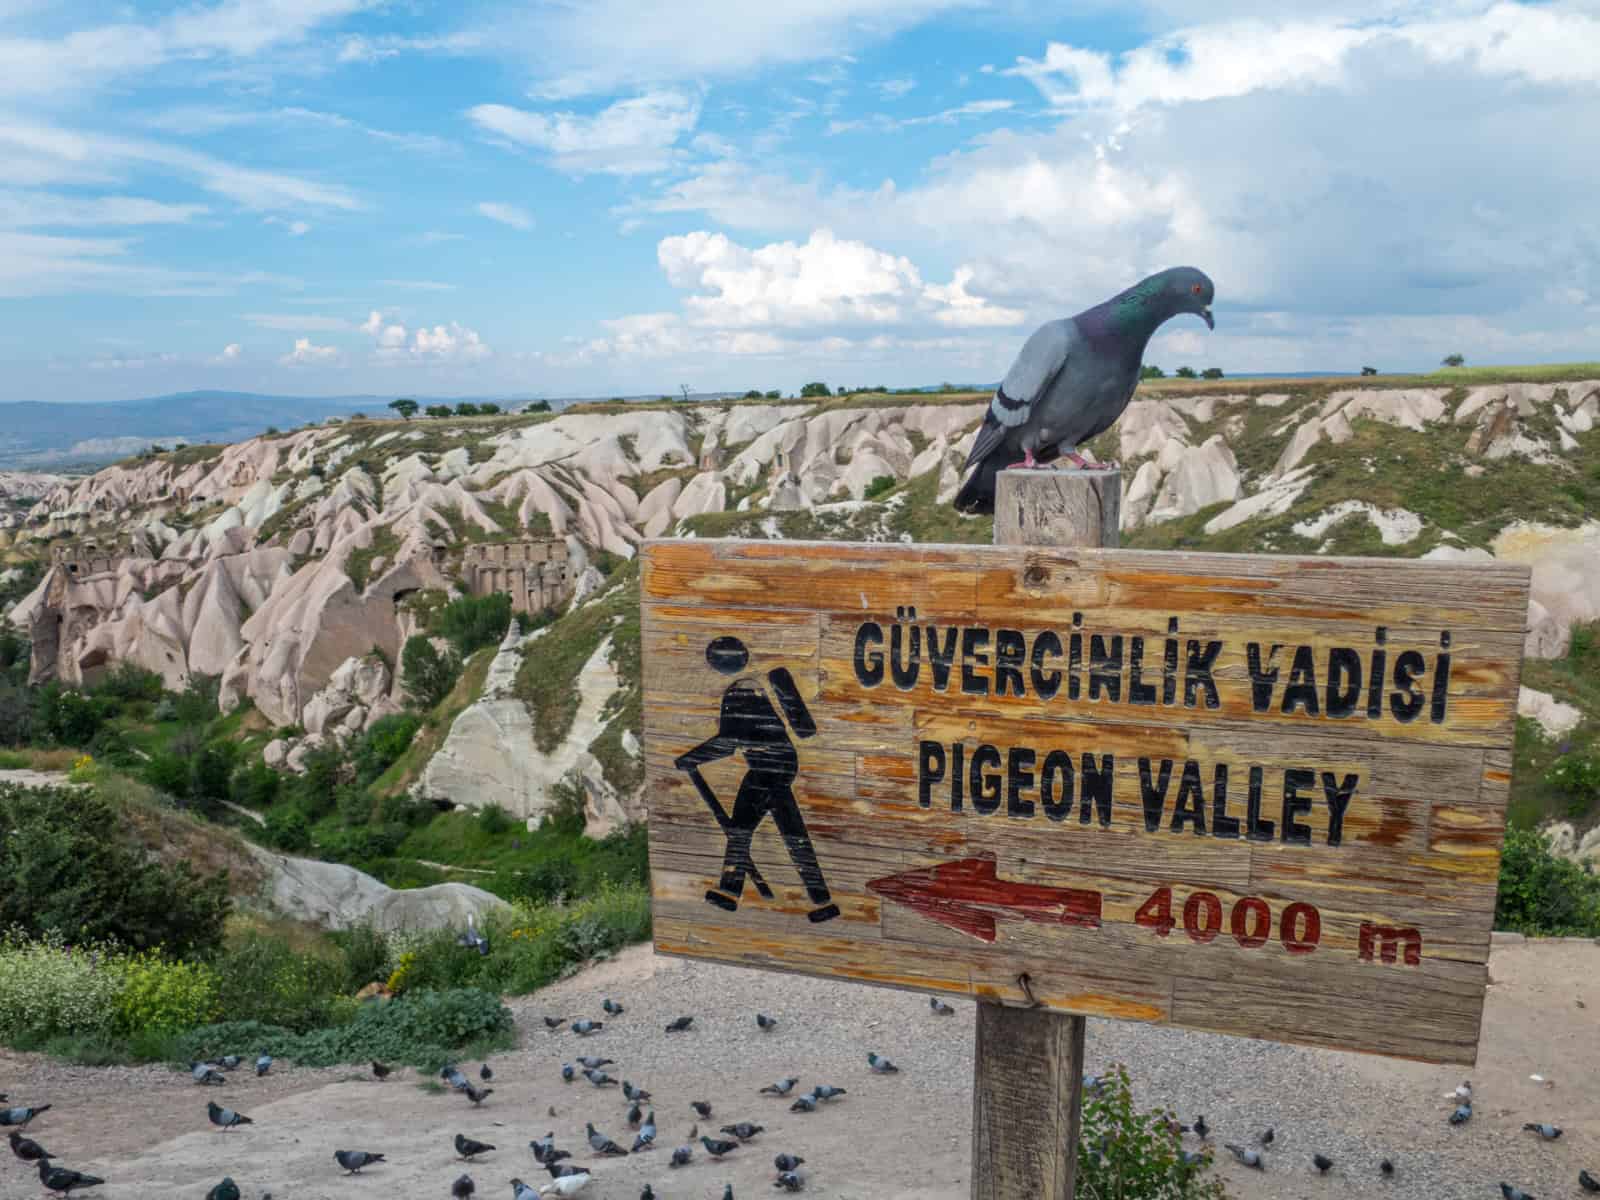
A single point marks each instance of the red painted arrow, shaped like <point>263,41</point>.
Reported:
<point>966,895</point>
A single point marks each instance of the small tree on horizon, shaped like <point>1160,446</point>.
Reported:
<point>1211,373</point>
<point>438,410</point>
<point>1369,370</point>
<point>811,390</point>
<point>1453,360</point>
<point>1151,371</point>
<point>467,409</point>
<point>1186,373</point>
<point>406,408</point>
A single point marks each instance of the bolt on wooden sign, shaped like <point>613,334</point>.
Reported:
<point>1252,794</point>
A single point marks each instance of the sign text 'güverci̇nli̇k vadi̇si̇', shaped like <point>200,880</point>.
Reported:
<point>1253,794</point>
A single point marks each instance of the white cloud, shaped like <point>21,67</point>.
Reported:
<point>45,265</point>
<point>306,353</point>
<point>357,48</point>
<point>635,136</point>
<point>298,322</point>
<point>605,46</point>
<point>452,343</point>
<point>231,352</point>
<point>24,210</point>
<point>506,214</point>
<point>883,123</point>
<point>894,89</point>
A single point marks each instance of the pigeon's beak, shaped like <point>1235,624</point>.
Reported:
<point>1205,315</point>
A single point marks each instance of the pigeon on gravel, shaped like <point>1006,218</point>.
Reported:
<point>1386,1168</point>
<point>681,1156</point>
<point>717,1147</point>
<point>562,1170</point>
<point>647,1135</point>
<point>585,1027</point>
<point>1514,1193</point>
<point>263,1064</point>
<point>782,1088</point>
<point>63,1180</point>
<point>727,1192</point>
<point>647,1193</point>
<point>807,1103</point>
<point>634,1093</point>
<point>452,1075</point>
<point>1266,1138</point>
<point>787,1162</point>
<point>567,1185</point>
<point>825,1091</point>
<point>611,1006</point>
<point>1193,1158</point>
<point>600,1079</point>
<point>21,1115</point>
<point>1322,1163</point>
<point>1548,1132</point>
<point>379,1071</point>
<point>463,1188</point>
<point>206,1073</point>
<point>1200,1129</point>
<point>469,1149</point>
<point>354,1160</point>
<point>225,1118</point>
<point>635,1115</point>
<point>1463,1094</point>
<point>1587,1181</point>
<point>593,1063</point>
<point>703,1107</point>
<point>226,1190</point>
<point>476,1094</point>
<point>1462,1114</point>
<point>881,1065</point>
<point>567,1073</point>
<point>680,1024</point>
<point>743,1130</point>
<point>940,1008</point>
<point>544,1149</point>
<point>789,1181</point>
<point>521,1191</point>
<point>765,1023</point>
<point>484,1073</point>
<point>554,1022</point>
<point>601,1144</point>
<point>1250,1158</point>
<point>1074,377</point>
<point>229,1062</point>
<point>27,1149</point>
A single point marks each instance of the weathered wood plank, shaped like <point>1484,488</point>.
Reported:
<point>1025,1056</point>
<point>1371,838</point>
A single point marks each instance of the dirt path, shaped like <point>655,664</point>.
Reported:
<point>893,1138</point>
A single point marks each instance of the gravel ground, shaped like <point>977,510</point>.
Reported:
<point>892,1138</point>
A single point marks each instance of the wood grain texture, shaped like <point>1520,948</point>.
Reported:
<point>1407,871</point>
<point>1020,1147</point>
<point>1057,507</point>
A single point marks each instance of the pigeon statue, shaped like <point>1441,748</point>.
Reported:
<point>787,1162</point>
<point>379,1071</point>
<point>1250,1158</point>
<point>226,1190</point>
<point>1073,378</point>
<point>354,1160</point>
<point>21,1115</point>
<point>463,1188</point>
<point>782,1088</point>
<point>469,1149</point>
<point>60,1179</point>
<point>1548,1132</point>
<point>940,1008</point>
<point>225,1118</point>
<point>27,1149</point>
<point>765,1023</point>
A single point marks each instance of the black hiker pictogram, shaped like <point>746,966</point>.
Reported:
<point>749,722</point>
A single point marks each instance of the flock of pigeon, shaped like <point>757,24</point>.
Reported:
<point>1255,1156</point>
<point>567,1179</point>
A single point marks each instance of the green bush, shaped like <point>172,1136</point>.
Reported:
<point>49,989</point>
<point>128,681</point>
<point>366,956</point>
<point>16,713</point>
<point>287,829</point>
<point>381,745</point>
<point>1124,1154</point>
<point>316,790</point>
<point>427,674</point>
<point>1542,894</point>
<point>473,622</point>
<point>197,704</point>
<point>1576,775</point>
<point>494,819</point>
<point>167,772</point>
<point>68,717</point>
<point>264,979</point>
<point>66,867</point>
<point>166,996</point>
<point>879,485</point>
<point>255,785</point>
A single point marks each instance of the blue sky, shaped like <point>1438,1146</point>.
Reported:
<point>603,196</point>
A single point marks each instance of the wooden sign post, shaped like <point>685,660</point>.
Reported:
<point>1251,794</point>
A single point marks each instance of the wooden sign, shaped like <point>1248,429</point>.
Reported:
<point>1252,794</point>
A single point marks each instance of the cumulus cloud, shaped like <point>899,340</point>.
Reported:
<point>452,343</point>
<point>307,353</point>
<point>231,352</point>
<point>506,214</point>
<point>636,136</point>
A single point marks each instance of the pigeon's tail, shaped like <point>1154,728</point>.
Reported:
<point>977,493</point>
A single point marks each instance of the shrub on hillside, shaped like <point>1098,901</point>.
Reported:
<point>255,785</point>
<point>264,979</point>
<point>16,714</point>
<point>316,790</point>
<point>1576,775</point>
<point>49,989</point>
<point>1124,1154</point>
<point>128,681</point>
<point>427,674</point>
<point>1543,894</point>
<point>287,829</point>
<point>473,622</point>
<point>67,717</point>
<point>161,995</point>
<point>879,485</point>
<point>380,746</point>
<point>65,867</point>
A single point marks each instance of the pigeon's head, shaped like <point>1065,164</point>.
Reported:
<point>1187,290</point>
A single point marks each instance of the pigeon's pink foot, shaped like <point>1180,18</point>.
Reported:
<point>1028,463</point>
<point>1083,464</point>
